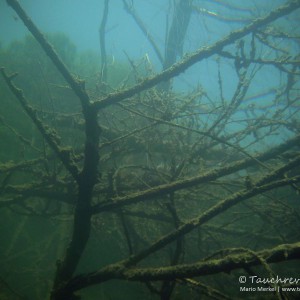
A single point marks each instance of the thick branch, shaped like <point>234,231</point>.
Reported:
<point>88,176</point>
<point>186,183</point>
<point>48,134</point>
<point>199,55</point>
<point>208,215</point>
<point>120,270</point>
<point>229,263</point>
<point>82,217</point>
<point>77,86</point>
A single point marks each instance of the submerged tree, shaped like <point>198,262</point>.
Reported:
<point>151,185</point>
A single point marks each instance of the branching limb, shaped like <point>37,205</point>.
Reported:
<point>227,264</point>
<point>48,133</point>
<point>76,85</point>
<point>208,215</point>
<point>185,183</point>
<point>199,55</point>
<point>87,177</point>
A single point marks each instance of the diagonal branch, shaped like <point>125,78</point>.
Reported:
<point>198,56</point>
<point>159,190</point>
<point>208,215</point>
<point>50,136</point>
<point>227,264</point>
<point>87,177</point>
<point>76,85</point>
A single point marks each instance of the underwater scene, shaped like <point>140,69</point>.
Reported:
<point>149,149</point>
